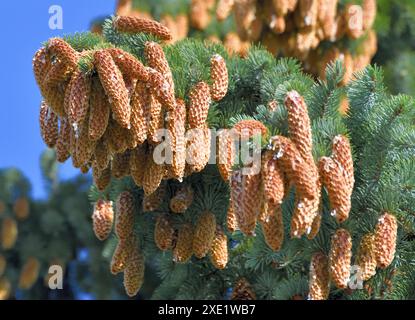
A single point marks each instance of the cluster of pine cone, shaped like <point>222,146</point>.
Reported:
<point>110,119</point>
<point>376,250</point>
<point>300,27</point>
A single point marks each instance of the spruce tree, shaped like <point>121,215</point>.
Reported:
<point>181,223</point>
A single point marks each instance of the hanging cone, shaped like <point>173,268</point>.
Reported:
<point>342,153</point>
<point>102,178</point>
<point>29,273</point>
<point>121,255</point>
<point>101,156</point>
<point>63,51</point>
<point>198,149</point>
<point>177,131</point>
<point>153,201</point>
<point>155,120</point>
<point>124,219</point>
<point>163,233</point>
<point>136,25</point>
<point>129,65</point>
<point>385,240</point>
<point>139,105</point>
<point>339,259</point>
<point>83,146</point>
<point>102,219</point>
<point>273,229</point>
<point>231,222</point>
<point>162,89</point>
<point>250,128</point>
<point>319,282</point>
<point>157,60</point>
<point>251,203</point>
<point>63,142</point>
<point>272,179</point>
<point>99,111</point>
<point>114,86</point>
<point>366,257</point>
<point>77,98</point>
<point>204,234</point>
<point>243,291</point>
<point>134,273</point>
<point>182,199</point>
<point>138,162</point>
<point>183,249</point>
<point>153,175</point>
<point>120,165</point>
<point>117,137</point>
<point>225,154</point>
<point>48,125</point>
<point>219,250</point>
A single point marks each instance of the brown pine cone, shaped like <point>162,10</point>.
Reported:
<point>219,76</point>
<point>101,156</point>
<point>124,219</point>
<point>139,106</point>
<point>9,232</point>
<point>272,179</point>
<point>251,203</point>
<point>117,137</point>
<point>366,257</point>
<point>161,88</point>
<point>83,147</point>
<point>225,154</point>
<point>204,234</point>
<point>176,125</point>
<point>63,51</point>
<point>156,59</point>
<point>153,201</point>
<point>102,219</point>
<point>132,24</point>
<point>273,229</point>
<point>198,149</point>
<point>319,282</point>
<point>122,254</point>
<point>156,116</point>
<point>153,175</point>
<point>315,226</point>
<point>134,273</point>
<point>243,291</point>
<point>182,199</point>
<point>219,250</point>
<point>340,257</point>
<point>200,101</point>
<point>249,128</point>
<point>231,222</point>
<point>102,178</point>
<point>138,163</point>
<point>77,98</point>
<point>163,233</point>
<point>385,240</point>
<point>113,83</point>
<point>48,125</point>
<point>99,111</point>
<point>63,142</point>
<point>29,273</point>
<point>129,65</point>
<point>183,249</point>
<point>342,153</point>
<point>120,165</point>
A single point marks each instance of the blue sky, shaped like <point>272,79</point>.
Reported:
<point>25,27</point>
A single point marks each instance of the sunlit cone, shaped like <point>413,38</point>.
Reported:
<point>155,119</point>
<point>337,189</point>
<point>153,201</point>
<point>161,88</point>
<point>84,147</point>
<point>182,199</point>
<point>340,257</point>
<point>85,168</point>
<point>3,264</point>
<point>385,240</point>
<point>63,51</point>
<point>63,142</point>
<point>198,149</point>
<point>153,175</point>
<point>306,209</point>
<point>77,98</point>
<point>21,208</point>
<point>177,130</point>
<point>272,179</point>
<point>136,25</point>
<point>128,64</point>
<point>243,291</point>
<point>138,163</point>
<point>156,59</point>
<point>219,76</point>
<point>183,250</point>
<point>204,234</point>
<point>273,229</point>
<point>99,111</point>
<point>9,233</point>
<point>29,273</point>
<point>319,282</point>
<point>366,257</point>
<point>295,167</point>
<point>225,157</point>
<point>299,124</point>
<point>121,255</point>
<point>250,128</point>
<point>163,233</point>
<point>199,97</point>
<point>139,104</point>
<point>102,178</point>
<point>124,217</point>
<point>117,137</point>
<point>315,226</point>
<point>219,251</point>
<point>250,203</point>
<point>342,153</point>
<point>114,86</point>
<point>236,194</point>
<point>101,156</point>
<point>134,273</point>
<point>120,165</point>
<point>103,219</point>
<point>231,221</point>
<point>48,125</point>
<point>223,9</point>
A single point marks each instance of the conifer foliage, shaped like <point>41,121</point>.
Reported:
<point>338,178</point>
